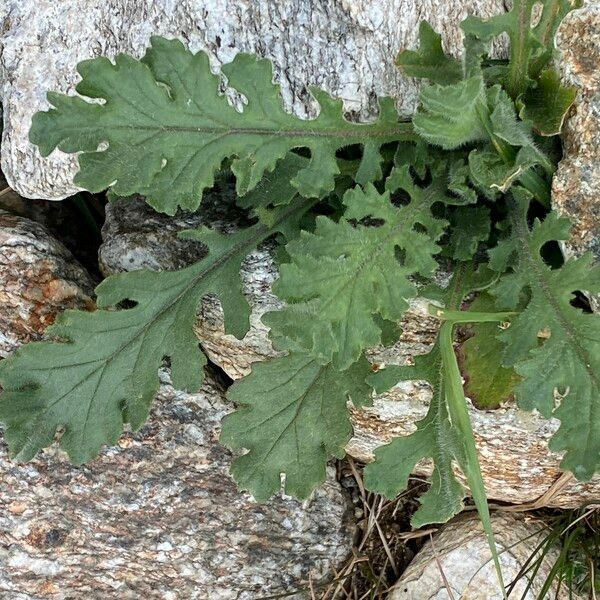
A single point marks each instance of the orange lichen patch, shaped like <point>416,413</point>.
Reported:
<point>39,279</point>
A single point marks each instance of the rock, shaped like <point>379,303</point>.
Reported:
<point>513,444</point>
<point>39,278</point>
<point>348,47</point>
<point>460,552</point>
<point>159,517</point>
<point>576,185</point>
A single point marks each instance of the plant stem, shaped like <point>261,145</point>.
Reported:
<point>463,316</point>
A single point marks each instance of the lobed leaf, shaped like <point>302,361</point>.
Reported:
<point>102,371</point>
<point>292,418</point>
<point>164,129</point>
<point>552,344</point>
<point>345,273</point>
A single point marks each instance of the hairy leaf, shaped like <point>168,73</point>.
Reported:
<point>530,46</point>
<point>292,418</point>
<point>434,438</point>
<point>345,273</point>
<point>547,104</point>
<point>552,344</point>
<point>441,436</point>
<point>450,115</point>
<point>167,129</point>
<point>103,369</point>
<point>429,61</point>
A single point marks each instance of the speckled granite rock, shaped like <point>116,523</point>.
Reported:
<point>159,518</point>
<point>38,279</point>
<point>460,552</point>
<point>576,186</point>
<point>347,47</point>
<point>519,471</point>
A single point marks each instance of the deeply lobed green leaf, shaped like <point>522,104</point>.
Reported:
<point>345,273</point>
<point>103,369</point>
<point>292,418</point>
<point>552,344</point>
<point>163,128</point>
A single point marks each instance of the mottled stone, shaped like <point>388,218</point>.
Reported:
<point>458,559</point>
<point>159,517</point>
<point>519,470</point>
<point>576,185</point>
<point>39,278</point>
<point>346,47</point>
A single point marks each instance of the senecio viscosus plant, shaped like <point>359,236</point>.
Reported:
<point>366,213</point>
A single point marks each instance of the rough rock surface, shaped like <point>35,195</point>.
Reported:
<point>460,551</point>
<point>38,279</point>
<point>347,47</point>
<point>576,185</point>
<point>159,518</point>
<point>513,444</point>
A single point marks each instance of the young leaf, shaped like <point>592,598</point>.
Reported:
<point>450,115</point>
<point>547,104</point>
<point>167,129</point>
<point>552,344</point>
<point>103,369</point>
<point>487,382</point>
<point>346,272</point>
<point>429,61</point>
<point>292,418</point>
<point>530,47</point>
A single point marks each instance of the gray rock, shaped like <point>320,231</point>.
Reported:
<point>458,559</point>
<point>519,471</point>
<point>159,517</point>
<point>39,278</point>
<point>347,47</point>
<point>576,185</point>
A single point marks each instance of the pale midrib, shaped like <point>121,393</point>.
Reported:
<point>401,131</point>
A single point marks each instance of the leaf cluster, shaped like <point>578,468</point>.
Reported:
<point>466,184</point>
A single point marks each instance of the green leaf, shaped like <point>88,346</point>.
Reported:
<point>438,436</point>
<point>292,418</point>
<point>450,116</point>
<point>103,369</point>
<point>345,273</point>
<point>275,188</point>
<point>552,344</point>
<point>429,61</point>
<point>487,382</point>
<point>471,225</point>
<point>531,48</point>
<point>547,104</point>
<point>434,438</point>
<point>167,129</point>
